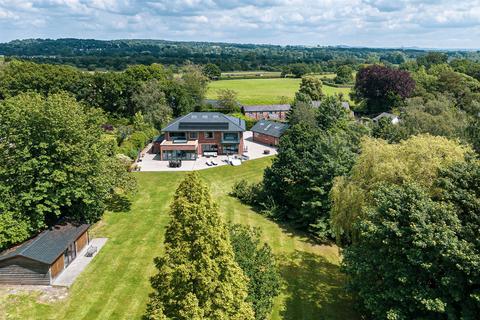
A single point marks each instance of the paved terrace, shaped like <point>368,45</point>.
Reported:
<point>68,276</point>
<point>152,162</point>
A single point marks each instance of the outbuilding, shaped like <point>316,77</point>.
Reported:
<point>268,132</point>
<point>40,260</point>
<point>393,118</point>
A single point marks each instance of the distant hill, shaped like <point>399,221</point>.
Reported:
<point>117,54</point>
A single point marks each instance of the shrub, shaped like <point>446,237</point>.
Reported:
<point>248,193</point>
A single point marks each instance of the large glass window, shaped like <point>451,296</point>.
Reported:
<point>230,148</point>
<point>179,155</point>
<point>209,148</point>
<point>230,136</point>
<point>178,136</point>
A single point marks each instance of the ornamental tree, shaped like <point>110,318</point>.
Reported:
<point>381,88</point>
<point>198,277</point>
<point>416,159</point>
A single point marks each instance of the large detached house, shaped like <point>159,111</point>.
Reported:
<point>201,133</point>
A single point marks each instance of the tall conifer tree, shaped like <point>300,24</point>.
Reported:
<point>198,277</point>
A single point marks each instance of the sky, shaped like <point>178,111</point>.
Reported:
<point>369,23</point>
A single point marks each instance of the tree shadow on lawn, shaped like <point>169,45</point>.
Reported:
<point>119,203</point>
<point>315,288</point>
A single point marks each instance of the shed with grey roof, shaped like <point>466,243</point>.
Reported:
<point>268,132</point>
<point>41,259</point>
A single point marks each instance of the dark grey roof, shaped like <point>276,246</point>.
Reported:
<point>48,245</point>
<point>270,128</point>
<point>206,121</point>
<point>267,108</point>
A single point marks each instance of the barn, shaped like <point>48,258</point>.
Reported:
<point>268,132</point>
<point>41,259</point>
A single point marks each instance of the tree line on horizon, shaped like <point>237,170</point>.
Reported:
<point>90,54</point>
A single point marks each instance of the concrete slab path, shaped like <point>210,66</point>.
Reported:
<point>68,276</point>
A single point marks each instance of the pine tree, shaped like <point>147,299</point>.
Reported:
<point>198,277</point>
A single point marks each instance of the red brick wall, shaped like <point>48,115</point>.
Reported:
<point>217,139</point>
<point>280,115</point>
<point>265,139</point>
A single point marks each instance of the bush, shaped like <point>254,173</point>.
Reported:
<point>127,148</point>
<point>248,193</point>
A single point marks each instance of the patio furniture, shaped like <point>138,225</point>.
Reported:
<point>208,163</point>
<point>214,163</point>
<point>210,154</point>
<point>266,151</point>
<point>90,251</point>
<point>175,163</point>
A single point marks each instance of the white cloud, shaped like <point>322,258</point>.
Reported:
<point>427,23</point>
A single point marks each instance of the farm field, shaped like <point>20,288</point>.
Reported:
<point>116,284</point>
<point>250,74</point>
<point>265,91</point>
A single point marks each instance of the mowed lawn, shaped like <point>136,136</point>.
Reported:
<point>116,284</point>
<point>265,91</point>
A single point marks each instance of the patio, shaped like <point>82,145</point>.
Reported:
<point>68,276</point>
<point>152,162</point>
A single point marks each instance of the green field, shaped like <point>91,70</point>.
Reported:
<point>265,91</point>
<point>250,74</point>
<point>116,284</point>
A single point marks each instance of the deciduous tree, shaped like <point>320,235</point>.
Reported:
<point>312,87</point>
<point>410,261</point>
<point>382,88</point>
<point>212,71</point>
<point>55,163</point>
<point>380,162</point>
<point>344,74</point>
<point>150,100</point>
<point>301,176</point>
<point>227,99</point>
<point>258,263</point>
